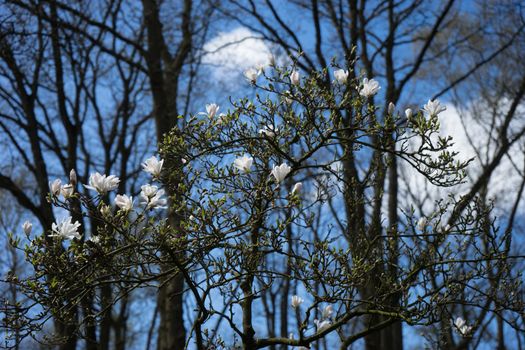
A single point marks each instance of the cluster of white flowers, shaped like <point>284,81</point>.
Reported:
<point>150,196</point>
<point>325,321</point>
<point>279,172</point>
<point>326,314</point>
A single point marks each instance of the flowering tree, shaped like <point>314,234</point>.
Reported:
<point>282,198</point>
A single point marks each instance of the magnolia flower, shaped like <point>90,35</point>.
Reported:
<point>280,172</point>
<point>102,183</point>
<point>370,88</point>
<point>67,190</point>
<point>296,301</point>
<point>73,177</point>
<point>251,74</point>
<point>55,187</point>
<point>65,229</point>
<point>408,113</point>
<point>422,224</point>
<point>268,131</point>
<point>153,166</point>
<point>295,77</point>
<point>462,327</point>
<point>151,197</point>
<point>341,76</point>
<point>211,110</point>
<point>27,227</point>
<point>124,202</point>
<point>434,107</point>
<point>297,188</point>
<point>243,163</point>
<point>391,108</point>
<point>321,325</point>
<point>327,312</point>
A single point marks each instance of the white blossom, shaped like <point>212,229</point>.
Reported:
<point>153,166</point>
<point>102,183</point>
<point>295,77</point>
<point>327,312</point>
<point>268,130</point>
<point>66,229</point>
<point>297,188</point>
<point>27,227</point>
<point>433,108</point>
<point>151,197</point>
<point>73,177</point>
<point>422,224</point>
<point>124,202</point>
<point>322,325</point>
<point>296,301</point>
<point>279,172</point>
<point>251,74</point>
<point>243,163</point>
<point>370,88</point>
<point>462,327</point>
<point>341,76</point>
<point>408,113</point>
<point>67,190</point>
<point>55,187</point>
<point>212,109</point>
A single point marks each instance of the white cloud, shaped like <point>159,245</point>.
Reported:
<point>473,138</point>
<point>231,53</point>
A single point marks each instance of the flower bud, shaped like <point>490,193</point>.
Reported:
<point>295,78</point>
<point>27,227</point>
<point>73,177</point>
<point>408,113</point>
<point>391,108</point>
